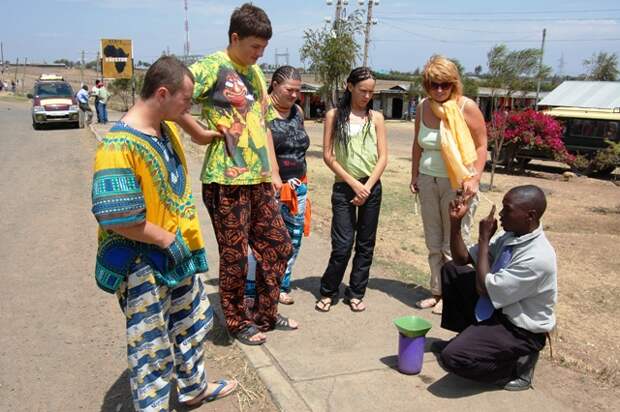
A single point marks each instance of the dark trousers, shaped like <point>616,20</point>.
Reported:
<point>351,223</point>
<point>97,103</point>
<point>242,215</point>
<point>484,351</point>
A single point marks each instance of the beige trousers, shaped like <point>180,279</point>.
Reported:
<point>435,197</point>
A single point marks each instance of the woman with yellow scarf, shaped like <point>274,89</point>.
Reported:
<point>448,155</point>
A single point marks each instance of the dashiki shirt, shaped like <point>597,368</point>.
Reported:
<point>137,178</point>
<point>234,102</point>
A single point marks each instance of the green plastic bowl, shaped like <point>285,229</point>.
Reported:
<point>412,326</point>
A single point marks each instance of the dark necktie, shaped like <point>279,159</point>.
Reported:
<point>484,307</point>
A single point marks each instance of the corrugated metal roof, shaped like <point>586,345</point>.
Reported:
<point>584,94</point>
<point>519,94</point>
<point>579,113</point>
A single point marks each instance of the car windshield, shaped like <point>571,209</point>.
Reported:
<point>53,90</point>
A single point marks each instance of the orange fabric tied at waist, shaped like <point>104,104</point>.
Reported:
<point>288,197</point>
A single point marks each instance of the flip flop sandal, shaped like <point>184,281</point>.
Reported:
<point>286,299</point>
<point>323,305</point>
<point>426,303</point>
<point>216,394</point>
<point>355,304</point>
<point>245,336</point>
<point>282,323</point>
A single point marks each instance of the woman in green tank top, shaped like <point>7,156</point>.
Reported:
<point>355,149</point>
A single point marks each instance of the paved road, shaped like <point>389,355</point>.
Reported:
<point>62,345</point>
<point>60,348</point>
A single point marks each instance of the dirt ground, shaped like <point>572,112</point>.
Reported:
<point>582,222</point>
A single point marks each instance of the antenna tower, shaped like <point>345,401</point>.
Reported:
<point>186,46</point>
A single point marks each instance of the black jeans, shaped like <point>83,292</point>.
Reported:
<point>351,223</point>
<point>484,351</point>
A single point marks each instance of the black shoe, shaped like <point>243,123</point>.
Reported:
<point>525,373</point>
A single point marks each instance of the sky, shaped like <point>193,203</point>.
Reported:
<point>407,33</point>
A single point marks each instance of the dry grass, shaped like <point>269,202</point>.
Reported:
<point>221,354</point>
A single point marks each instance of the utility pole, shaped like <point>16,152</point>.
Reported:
<point>369,23</point>
<point>24,74</point>
<point>186,46</point>
<point>338,15</point>
<point>82,69</point>
<point>540,63</point>
<point>2,60</point>
<point>98,63</point>
<point>16,67</point>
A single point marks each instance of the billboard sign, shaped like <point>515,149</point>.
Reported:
<point>117,59</point>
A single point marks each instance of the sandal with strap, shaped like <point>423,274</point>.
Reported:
<point>283,323</point>
<point>323,305</point>
<point>246,334</point>
<point>426,303</point>
<point>286,299</point>
<point>224,388</point>
<point>356,305</point>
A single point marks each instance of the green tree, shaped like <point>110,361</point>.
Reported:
<point>602,66</point>
<point>124,89</point>
<point>332,52</point>
<point>478,70</point>
<point>470,87</point>
<point>511,70</point>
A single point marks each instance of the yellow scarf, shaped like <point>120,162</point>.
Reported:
<point>457,146</point>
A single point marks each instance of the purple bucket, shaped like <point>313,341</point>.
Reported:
<point>410,354</point>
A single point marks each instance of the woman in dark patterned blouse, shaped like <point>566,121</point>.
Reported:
<point>291,142</point>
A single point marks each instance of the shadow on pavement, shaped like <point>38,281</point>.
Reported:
<point>406,293</point>
<point>118,397</point>
<point>453,387</point>
<point>390,361</point>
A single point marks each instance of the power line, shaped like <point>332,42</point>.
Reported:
<point>526,39</point>
<point>495,13</point>
<point>486,20</point>
<point>473,30</point>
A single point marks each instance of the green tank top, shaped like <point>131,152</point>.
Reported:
<point>431,162</point>
<point>360,157</point>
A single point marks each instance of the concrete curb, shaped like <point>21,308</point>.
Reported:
<point>283,394</point>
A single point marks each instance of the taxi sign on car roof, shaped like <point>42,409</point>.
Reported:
<point>47,76</point>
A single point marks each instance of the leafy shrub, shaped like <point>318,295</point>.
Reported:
<point>530,130</point>
<point>604,161</point>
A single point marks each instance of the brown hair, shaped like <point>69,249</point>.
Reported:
<point>282,74</point>
<point>439,69</point>
<point>249,20</point>
<point>167,71</point>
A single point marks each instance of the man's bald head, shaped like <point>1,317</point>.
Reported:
<point>529,197</point>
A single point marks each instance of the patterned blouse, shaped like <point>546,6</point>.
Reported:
<point>137,178</point>
<point>290,142</point>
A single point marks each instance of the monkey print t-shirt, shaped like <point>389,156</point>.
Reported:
<point>234,102</point>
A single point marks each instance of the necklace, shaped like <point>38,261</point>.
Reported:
<point>283,112</point>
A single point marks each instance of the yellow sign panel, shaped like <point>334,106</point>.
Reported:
<point>117,59</point>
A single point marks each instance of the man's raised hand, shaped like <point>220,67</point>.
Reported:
<point>488,226</point>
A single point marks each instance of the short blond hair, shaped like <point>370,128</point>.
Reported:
<point>439,69</point>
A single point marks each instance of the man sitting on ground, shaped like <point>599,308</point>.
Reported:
<point>503,309</point>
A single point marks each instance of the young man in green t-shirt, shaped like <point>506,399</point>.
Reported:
<point>240,173</point>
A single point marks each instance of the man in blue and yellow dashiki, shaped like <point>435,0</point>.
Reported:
<point>150,244</point>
